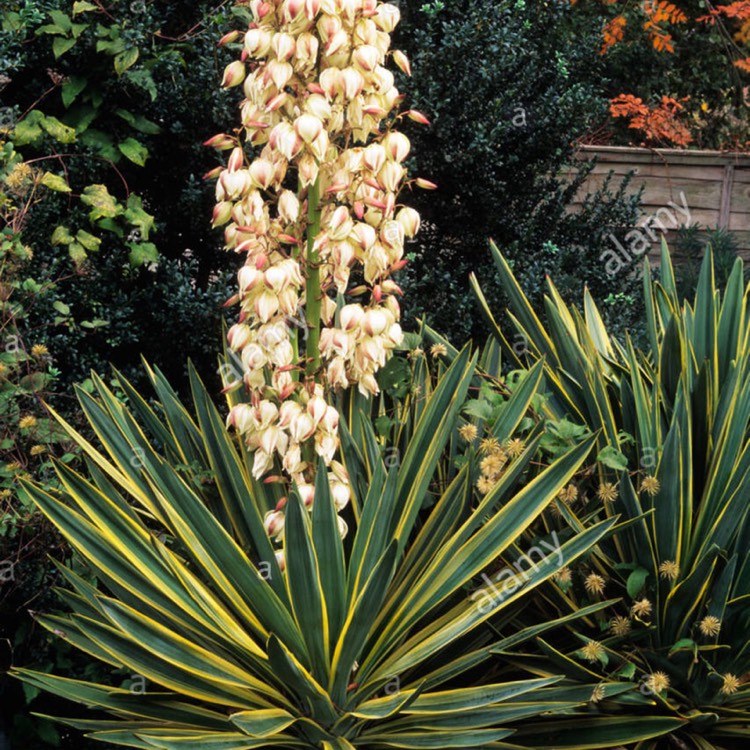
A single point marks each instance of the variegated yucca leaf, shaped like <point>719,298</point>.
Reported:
<point>673,452</point>
<point>375,641</point>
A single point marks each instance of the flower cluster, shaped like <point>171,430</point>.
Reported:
<point>315,214</point>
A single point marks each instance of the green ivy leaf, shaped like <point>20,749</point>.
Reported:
<point>126,60</point>
<point>142,252</point>
<point>61,45</point>
<point>90,242</point>
<point>635,581</point>
<point>61,236</point>
<point>103,205</point>
<point>134,150</point>
<point>61,307</point>
<point>94,324</point>
<point>77,253</point>
<point>28,130</point>
<point>612,458</point>
<point>61,19</point>
<point>478,408</point>
<point>71,88</point>
<point>55,182</point>
<point>58,130</point>
<point>139,122</point>
<point>102,143</point>
<point>144,80</point>
<point>81,6</point>
<point>136,216</point>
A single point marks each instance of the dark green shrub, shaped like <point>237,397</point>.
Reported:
<point>509,87</point>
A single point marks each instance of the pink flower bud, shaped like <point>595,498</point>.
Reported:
<point>319,146</point>
<point>392,234</point>
<point>402,61</point>
<point>337,43</point>
<point>316,408</point>
<point>232,36</point>
<point>352,82</point>
<point>391,287</point>
<point>258,42</point>
<point>236,159</point>
<point>318,106</point>
<point>383,79</point>
<point>425,184</point>
<point>307,49</point>
<point>273,522</point>
<point>395,334</point>
<point>302,428</point>
<point>266,306</point>
<point>279,72</point>
<point>275,279</point>
<point>308,127</point>
<point>284,45</point>
<point>234,74</point>
<point>308,170</point>
<point>397,146</point>
<point>253,357</point>
<point>331,82</point>
<point>366,58</point>
<point>261,172</point>
<point>288,412</point>
<point>341,495</point>
<point>364,235</point>
<point>239,336</point>
<point>241,418</point>
<point>336,373</point>
<point>387,17</point>
<point>248,278</point>
<point>409,220</point>
<point>292,8</point>
<point>306,494</point>
<point>222,213</point>
<point>413,114</point>
<point>280,559</point>
<point>312,7</point>
<point>390,176</point>
<point>374,322</point>
<point>288,207</point>
<point>222,141</point>
<point>277,101</point>
<point>374,157</point>
<point>330,422</point>
<point>351,316</point>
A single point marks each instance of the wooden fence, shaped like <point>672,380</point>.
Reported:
<point>681,187</point>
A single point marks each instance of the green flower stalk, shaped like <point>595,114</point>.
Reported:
<point>316,216</point>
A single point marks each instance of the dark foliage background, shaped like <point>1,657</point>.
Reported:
<point>510,87</point>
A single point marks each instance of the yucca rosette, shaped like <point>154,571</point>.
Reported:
<point>315,213</point>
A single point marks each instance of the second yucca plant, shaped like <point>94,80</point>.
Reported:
<point>673,459</point>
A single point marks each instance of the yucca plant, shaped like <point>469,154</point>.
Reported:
<point>673,460</point>
<point>378,642</point>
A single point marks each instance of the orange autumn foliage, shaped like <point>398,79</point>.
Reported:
<point>613,32</point>
<point>658,124</point>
